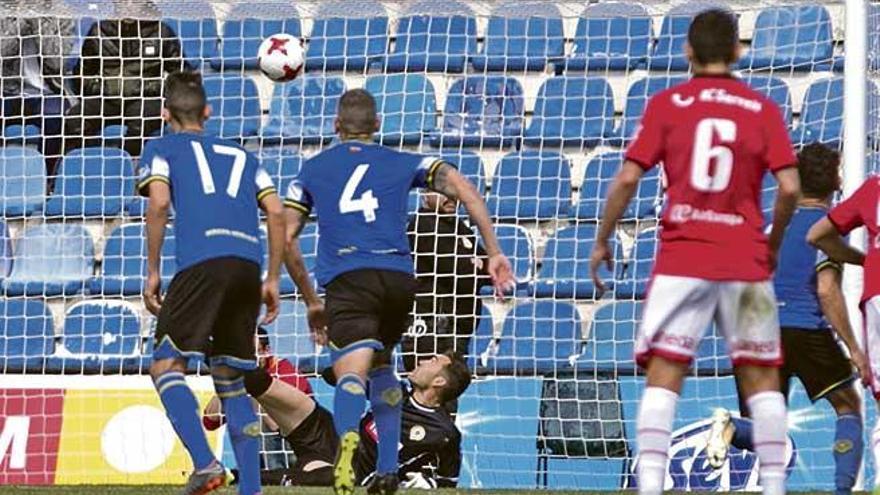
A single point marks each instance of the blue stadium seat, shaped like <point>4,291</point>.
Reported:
<point>565,270</point>
<point>610,346</point>
<point>99,334</point>
<point>434,37</point>
<point>572,111</point>
<point>308,244</point>
<point>22,181</point>
<point>92,182</point>
<point>873,42</point>
<point>28,335</point>
<point>610,36</point>
<point>235,103</point>
<point>5,251</point>
<point>768,197</point>
<point>599,174</point>
<point>543,337</point>
<point>290,338</point>
<point>482,111</point>
<point>521,36</point>
<point>303,111</point>
<point>247,25</point>
<point>821,114</point>
<point>282,164</point>
<point>347,39</point>
<point>634,274</point>
<point>469,164</point>
<point>406,105</point>
<point>483,342</point>
<point>124,268</point>
<point>516,245</point>
<point>531,186</point>
<point>773,88</point>
<point>51,260</point>
<point>796,37</point>
<point>22,135</point>
<point>636,99</point>
<point>668,52</point>
<point>195,24</point>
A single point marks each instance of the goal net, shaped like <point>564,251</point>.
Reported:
<point>533,101</point>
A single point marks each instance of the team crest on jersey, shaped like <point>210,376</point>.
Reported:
<point>417,433</point>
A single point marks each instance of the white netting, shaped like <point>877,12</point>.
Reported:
<point>533,100</point>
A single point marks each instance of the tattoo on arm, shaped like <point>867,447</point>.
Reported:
<point>440,182</point>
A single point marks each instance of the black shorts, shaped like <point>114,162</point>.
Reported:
<point>212,307</point>
<point>368,308</point>
<point>816,358</point>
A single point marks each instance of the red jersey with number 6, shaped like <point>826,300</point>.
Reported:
<point>862,208</point>
<point>715,138</point>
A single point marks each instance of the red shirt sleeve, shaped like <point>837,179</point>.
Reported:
<point>847,215</point>
<point>646,148</point>
<point>779,152</point>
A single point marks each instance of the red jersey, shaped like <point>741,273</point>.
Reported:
<point>862,208</point>
<point>715,137</point>
<point>285,371</point>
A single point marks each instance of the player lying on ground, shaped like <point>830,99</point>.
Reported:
<point>430,443</point>
<point>716,138</point>
<point>811,310</point>
<point>862,208</point>
<point>359,190</point>
<point>215,187</point>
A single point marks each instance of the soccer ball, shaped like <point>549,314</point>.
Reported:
<point>281,57</point>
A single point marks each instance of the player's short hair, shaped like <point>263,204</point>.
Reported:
<point>185,96</point>
<point>713,36</point>
<point>819,170</point>
<point>357,112</point>
<point>458,377</point>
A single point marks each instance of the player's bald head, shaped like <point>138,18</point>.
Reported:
<point>185,100</point>
<point>357,114</point>
<point>713,37</point>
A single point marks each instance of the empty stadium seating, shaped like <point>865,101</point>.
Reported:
<point>195,25</point>
<point>572,111</point>
<point>22,181</point>
<point>775,89</point>
<point>790,38</point>
<point>531,186</point>
<point>246,26</point>
<point>521,36</point>
<point>610,346</point>
<point>406,105</point>
<point>282,165</point>
<point>347,39</point>
<point>668,53</point>
<point>5,251</point>
<point>482,111</point>
<point>124,267</point>
<point>235,106</point>
<point>636,99</point>
<point>51,260</point>
<point>634,274</point>
<point>610,36</point>
<point>470,165</point>
<point>303,111</point>
<point>28,334</point>
<point>92,182</point>
<point>97,335</point>
<point>515,243</point>
<point>598,176</point>
<point>565,269</point>
<point>433,37</point>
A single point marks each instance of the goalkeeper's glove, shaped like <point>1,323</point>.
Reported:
<point>419,481</point>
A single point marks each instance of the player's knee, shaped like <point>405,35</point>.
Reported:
<point>257,382</point>
<point>846,401</point>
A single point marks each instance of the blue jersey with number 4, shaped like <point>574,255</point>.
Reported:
<point>216,187</point>
<point>359,192</point>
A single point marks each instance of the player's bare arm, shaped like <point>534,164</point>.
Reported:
<point>825,236</point>
<point>296,267</point>
<point>156,218</point>
<point>787,196</point>
<point>449,182</point>
<point>622,190</point>
<point>271,204</point>
<point>833,303</point>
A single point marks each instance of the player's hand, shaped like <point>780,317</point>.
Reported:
<point>317,317</point>
<point>601,254</point>
<point>152,293</point>
<point>860,361</point>
<point>419,481</point>
<point>501,273</point>
<point>270,299</point>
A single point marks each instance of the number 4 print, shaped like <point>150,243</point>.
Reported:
<point>367,203</point>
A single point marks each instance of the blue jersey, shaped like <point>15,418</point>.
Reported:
<point>796,273</point>
<point>215,189</point>
<point>359,192</point>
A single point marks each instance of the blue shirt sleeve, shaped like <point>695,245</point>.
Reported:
<point>426,167</point>
<point>265,185</point>
<point>153,167</point>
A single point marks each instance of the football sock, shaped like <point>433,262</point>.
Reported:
<point>182,410</point>
<point>847,452</point>
<point>653,429</point>
<point>742,434</point>
<point>386,400</point>
<point>348,403</point>
<point>769,432</point>
<point>244,431</point>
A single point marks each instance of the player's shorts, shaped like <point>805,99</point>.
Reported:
<point>212,306</point>
<point>816,358</point>
<point>368,309</point>
<point>871,312</point>
<point>679,310</point>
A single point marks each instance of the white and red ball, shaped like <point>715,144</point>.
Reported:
<point>281,57</point>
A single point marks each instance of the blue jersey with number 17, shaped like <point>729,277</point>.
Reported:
<point>216,187</point>
<point>359,192</point>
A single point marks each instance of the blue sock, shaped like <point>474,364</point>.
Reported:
<point>742,436</point>
<point>244,431</point>
<point>182,409</point>
<point>348,403</point>
<point>386,401</point>
<point>848,446</point>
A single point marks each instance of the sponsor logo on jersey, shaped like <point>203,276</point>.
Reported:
<point>689,468</point>
<point>682,101</point>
